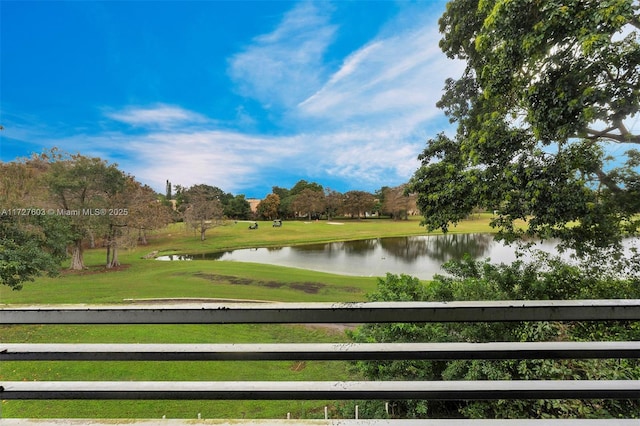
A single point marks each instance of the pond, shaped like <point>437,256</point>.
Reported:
<point>419,256</point>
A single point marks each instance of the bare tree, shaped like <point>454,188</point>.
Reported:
<point>397,202</point>
<point>203,212</point>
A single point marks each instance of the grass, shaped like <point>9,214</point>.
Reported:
<point>142,278</point>
<point>145,278</point>
<point>195,279</point>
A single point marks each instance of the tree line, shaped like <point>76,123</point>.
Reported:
<point>203,206</point>
<point>53,205</point>
<point>311,200</point>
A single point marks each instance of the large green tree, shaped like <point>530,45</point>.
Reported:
<point>32,240</point>
<point>550,88</point>
<point>237,208</point>
<point>31,246</point>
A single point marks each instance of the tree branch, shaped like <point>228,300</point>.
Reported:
<point>625,135</point>
<point>606,180</point>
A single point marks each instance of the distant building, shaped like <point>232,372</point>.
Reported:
<point>253,204</point>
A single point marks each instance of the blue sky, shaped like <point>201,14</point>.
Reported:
<point>242,95</point>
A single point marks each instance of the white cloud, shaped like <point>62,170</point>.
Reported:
<point>390,79</point>
<point>192,154</point>
<point>225,159</point>
<point>376,109</point>
<point>284,66</point>
<point>159,115</point>
<point>369,158</point>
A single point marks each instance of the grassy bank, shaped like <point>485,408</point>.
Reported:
<point>140,278</point>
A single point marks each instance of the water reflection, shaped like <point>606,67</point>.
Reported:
<point>420,256</point>
<point>439,248</point>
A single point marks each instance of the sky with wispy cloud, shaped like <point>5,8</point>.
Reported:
<point>243,95</point>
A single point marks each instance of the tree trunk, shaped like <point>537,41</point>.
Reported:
<point>142,237</point>
<point>114,255</point>
<point>112,248</point>
<point>77,260</point>
<point>110,238</point>
<point>203,229</point>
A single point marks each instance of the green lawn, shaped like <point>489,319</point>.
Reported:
<point>142,279</point>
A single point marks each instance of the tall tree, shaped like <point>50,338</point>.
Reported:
<point>146,211</point>
<point>285,198</point>
<point>204,209</point>
<point>237,208</point>
<point>30,246</point>
<point>333,202</point>
<point>168,194</point>
<point>80,186</point>
<point>302,184</point>
<point>397,202</point>
<point>134,210</point>
<point>310,202</point>
<point>548,87</point>
<point>32,240</point>
<point>269,207</point>
<point>358,203</point>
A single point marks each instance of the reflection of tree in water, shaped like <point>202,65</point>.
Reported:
<point>209,256</point>
<point>440,248</point>
<point>352,248</point>
<point>325,248</point>
<point>406,248</point>
<point>360,247</point>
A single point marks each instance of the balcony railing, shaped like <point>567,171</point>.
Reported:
<point>310,313</point>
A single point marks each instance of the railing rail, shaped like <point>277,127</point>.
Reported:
<point>315,351</point>
<point>310,313</point>
<point>314,313</point>
<point>327,390</point>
